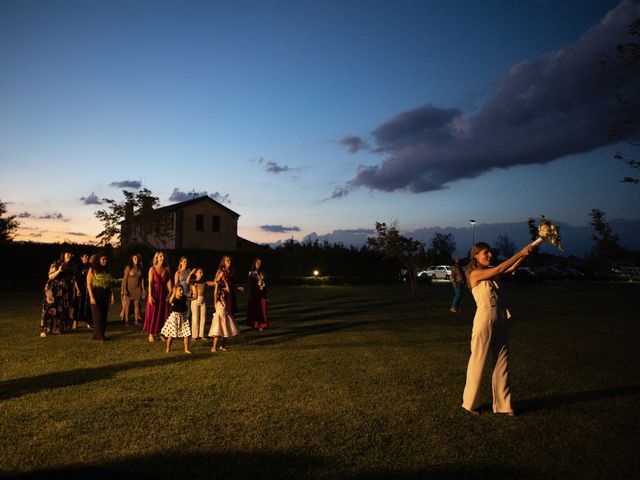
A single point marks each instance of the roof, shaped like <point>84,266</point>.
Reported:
<point>204,198</point>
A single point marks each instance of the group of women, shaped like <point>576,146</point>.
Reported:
<point>83,292</point>
<point>77,293</point>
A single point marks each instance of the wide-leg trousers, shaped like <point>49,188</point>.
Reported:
<point>198,317</point>
<point>489,336</point>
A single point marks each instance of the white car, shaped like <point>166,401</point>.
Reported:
<point>436,272</point>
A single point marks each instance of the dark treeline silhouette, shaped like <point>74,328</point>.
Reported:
<point>27,263</point>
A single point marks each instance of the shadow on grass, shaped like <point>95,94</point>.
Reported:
<point>561,400</point>
<point>275,337</point>
<point>22,386</point>
<point>249,465</point>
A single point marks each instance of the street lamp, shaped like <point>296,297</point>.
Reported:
<point>473,233</point>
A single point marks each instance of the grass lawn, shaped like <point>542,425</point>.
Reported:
<point>350,382</point>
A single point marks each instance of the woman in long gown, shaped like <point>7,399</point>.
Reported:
<point>99,287</point>
<point>489,334</point>
<point>257,316</point>
<point>82,307</point>
<point>159,289</point>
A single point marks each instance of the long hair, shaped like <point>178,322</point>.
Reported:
<point>473,261</point>
<point>180,261</point>
<point>221,265</point>
<point>155,258</point>
<point>130,262</point>
<point>253,265</point>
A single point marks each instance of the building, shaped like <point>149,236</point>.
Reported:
<point>198,223</point>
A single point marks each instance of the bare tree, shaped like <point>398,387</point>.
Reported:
<point>504,247</point>
<point>409,252</point>
<point>626,129</point>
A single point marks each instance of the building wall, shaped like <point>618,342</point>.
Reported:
<point>224,239</point>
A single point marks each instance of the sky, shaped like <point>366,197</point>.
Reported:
<point>314,116</point>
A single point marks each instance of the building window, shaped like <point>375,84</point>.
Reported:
<point>215,225</point>
<point>199,223</point>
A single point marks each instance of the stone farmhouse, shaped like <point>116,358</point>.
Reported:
<point>198,223</point>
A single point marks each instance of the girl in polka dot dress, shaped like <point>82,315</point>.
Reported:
<point>177,325</point>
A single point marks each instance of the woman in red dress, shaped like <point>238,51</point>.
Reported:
<point>157,296</point>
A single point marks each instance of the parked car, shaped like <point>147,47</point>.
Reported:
<point>436,272</point>
<point>524,275</point>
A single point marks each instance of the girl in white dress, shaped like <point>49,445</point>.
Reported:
<point>223,324</point>
<point>489,332</point>
<point>177,325</point>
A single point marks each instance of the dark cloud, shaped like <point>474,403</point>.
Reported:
<point>135,184</point>
<point>218,197</point>
<point>24,215</point>
<point>556,105</point>
<point>354,144</point>
<point>54,216</point>
<point>77,234</point>
<point>91,199</point>
<point>273,167</point>
<point>278,229</point>
<point>179,196</point>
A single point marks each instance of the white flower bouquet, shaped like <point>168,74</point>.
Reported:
<point>548,232</point>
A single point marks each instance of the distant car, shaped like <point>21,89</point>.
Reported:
<point>524,275</point>
<point>436,272</point>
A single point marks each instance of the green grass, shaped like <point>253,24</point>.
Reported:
<point>350,382</point>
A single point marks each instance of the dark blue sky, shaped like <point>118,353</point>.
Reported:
<point>312,116</point>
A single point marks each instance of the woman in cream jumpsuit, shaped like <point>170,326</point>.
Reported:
<point>489,333</point>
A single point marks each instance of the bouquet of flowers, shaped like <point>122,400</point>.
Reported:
<point>548,232</point>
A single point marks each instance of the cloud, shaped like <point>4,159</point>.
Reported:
<point>77,234</point>
<point>218,197</point>
<point>558,104</point>
<point>353,237</point>
<point>354,144</point>
<point>91,199</point>
<point>24,215</point>
<point>54,216</point>
<point>179,196</point>
<point>273,167</point>
<point>278,229</point>
<point>135,184</point>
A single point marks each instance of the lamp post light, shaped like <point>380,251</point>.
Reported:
<point>473,233</point>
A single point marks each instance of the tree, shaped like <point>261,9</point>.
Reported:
<point>134,218</point>
<point>504,247</point>
<point>8,224</point>
<point>626,129</point>
<point>409,252</point>
<point>442,248</point>
<point>607,247</point>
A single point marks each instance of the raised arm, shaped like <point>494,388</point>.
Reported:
<point>480,274</point>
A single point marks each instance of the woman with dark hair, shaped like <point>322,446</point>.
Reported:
<point>158,291</point>
<point>60,289</point>
<point>99,286</point>
<point>226,279</point>
<point>257,317</point>
<point>490,329</point>
<point>82,310</point>
<point>132,289</point>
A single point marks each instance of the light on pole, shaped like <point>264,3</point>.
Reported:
<point>473,233</point>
